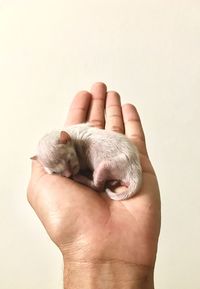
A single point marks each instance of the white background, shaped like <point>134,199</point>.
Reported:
<point>149,51</point>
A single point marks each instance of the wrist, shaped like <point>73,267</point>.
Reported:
<point>106,275</point>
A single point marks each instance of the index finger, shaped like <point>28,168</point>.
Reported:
<point>78,110</point>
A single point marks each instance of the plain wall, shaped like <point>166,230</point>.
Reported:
<point>149,51</point>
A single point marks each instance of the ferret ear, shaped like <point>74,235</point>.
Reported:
<point>34,158</point>
<point>64,137</point>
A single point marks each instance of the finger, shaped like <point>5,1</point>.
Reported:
<point>133,127</point>
<point>114,119</point>
<point>79,108</point>
<point>96,114</point>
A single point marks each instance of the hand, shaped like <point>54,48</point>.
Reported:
<point>90,229</point>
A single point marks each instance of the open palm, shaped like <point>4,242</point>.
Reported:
<point>87,225</point>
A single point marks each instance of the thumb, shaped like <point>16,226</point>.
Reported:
<point>37,171</point>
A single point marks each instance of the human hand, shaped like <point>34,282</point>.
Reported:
<point>114,240</point>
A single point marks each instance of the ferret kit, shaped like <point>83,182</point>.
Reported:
<point>111,158</point>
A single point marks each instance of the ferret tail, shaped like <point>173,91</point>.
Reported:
<point>134,179</point>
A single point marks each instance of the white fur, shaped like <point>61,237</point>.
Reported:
<point>110,155</point>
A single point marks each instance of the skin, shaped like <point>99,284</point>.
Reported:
<point>103,241</point>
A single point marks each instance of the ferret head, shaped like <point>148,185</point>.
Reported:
<point>57,154</point>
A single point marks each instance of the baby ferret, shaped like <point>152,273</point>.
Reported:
<point>111,157</point>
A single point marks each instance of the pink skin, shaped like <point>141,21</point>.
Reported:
<point>99,180</point>
<point>69,210</point>
<point>66,174</point>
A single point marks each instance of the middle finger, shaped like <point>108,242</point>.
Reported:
<point>96,114</point>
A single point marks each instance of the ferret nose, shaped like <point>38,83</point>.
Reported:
<point>67,174</point>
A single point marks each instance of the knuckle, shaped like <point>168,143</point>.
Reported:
<point>97,123</point>
<point>116,128</point>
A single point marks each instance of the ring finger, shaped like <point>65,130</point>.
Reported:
<point>114,118</point>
